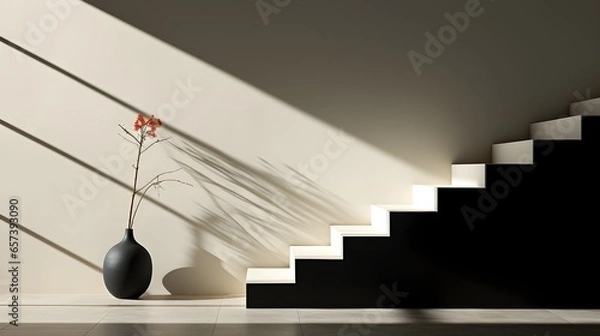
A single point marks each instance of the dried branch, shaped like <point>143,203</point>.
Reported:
<point>156,183</point>
<point>124,138</point>
<point>156,178</point>
<point>137,141</point>
<point>154,143</point>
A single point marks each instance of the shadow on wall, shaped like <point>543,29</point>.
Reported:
<point>254,213</point>
<point>249,217</point>
<point>52,244</point>
<point>347,63</point>
<point>253,216</point>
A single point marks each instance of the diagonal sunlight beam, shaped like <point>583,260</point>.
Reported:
<point>118,101</point>
<point>66,73</point>
<point>221,157</point>
<point>54,245</point>
<point>60,152</point>
<point>113,98</point>
<point>90,167</point>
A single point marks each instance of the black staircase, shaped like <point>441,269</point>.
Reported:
<point>529,239</point>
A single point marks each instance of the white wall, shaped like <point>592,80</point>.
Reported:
<point>198,246</point>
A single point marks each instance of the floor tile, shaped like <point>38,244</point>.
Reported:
<point>51,326</point>
<point>239,301</point>
<point>234,315</point>
<point>579,316</point>
<point>366,316</point>
<point>174,300</point>
<point>445,330</point>
<point>162,315</point>
<point>155,326</point>
<point>482,316</point>
<point>324,329</point>
<point>60,314</point>
<point>69,300</point>
<point>22,332</point>
<point>153,330</point>
<point>541,330</point>
<point>258,329</point>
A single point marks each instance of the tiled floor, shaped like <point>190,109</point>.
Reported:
<point>161,316</point>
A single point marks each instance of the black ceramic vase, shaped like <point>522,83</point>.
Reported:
<point>127,268</point>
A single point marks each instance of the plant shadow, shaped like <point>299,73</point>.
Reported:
<point>249,216</point>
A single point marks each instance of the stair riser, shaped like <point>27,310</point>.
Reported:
<point>513,153</point>
<point>468,175</point>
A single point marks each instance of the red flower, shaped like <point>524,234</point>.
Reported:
<point>139,122</point>
<point>148,126</point>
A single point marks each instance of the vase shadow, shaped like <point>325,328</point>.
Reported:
<point>197,281</point>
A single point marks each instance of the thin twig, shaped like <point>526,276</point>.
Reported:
<point>146,190</point>
<point>135,178</point>
<point>131,135</point>
<point>156,178</point>
<point>154,143</point>
<point>124,138</point>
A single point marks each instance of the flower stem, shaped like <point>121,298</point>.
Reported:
<point>135,180</point>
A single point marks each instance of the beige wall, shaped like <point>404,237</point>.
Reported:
<point>247,142</point>
<point>346,63</point>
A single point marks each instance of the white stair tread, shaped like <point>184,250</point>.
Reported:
<point>438,186</point>
<point>353,230</point>
<point>405,208</point>
<point>270,275</point>
<point>585,107</point>
<point>517,152</point>
<point>568,128</point>
<point>316,252</point>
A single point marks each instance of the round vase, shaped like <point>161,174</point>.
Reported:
<point>127,268</point>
